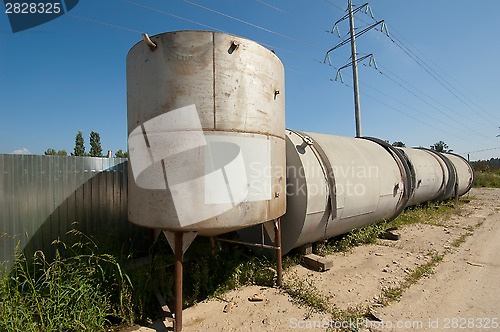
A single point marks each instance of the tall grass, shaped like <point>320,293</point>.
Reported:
<point>487,179</point>
<point>79,289</point>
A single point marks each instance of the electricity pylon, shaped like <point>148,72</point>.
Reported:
<point>354,61</point>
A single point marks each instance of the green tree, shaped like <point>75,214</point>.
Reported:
<point>95,144</point>
<point>121,154</point>
<point>399,144</point>
<point>50,152</point>
<point>441,147</point>
<point>79,145</point>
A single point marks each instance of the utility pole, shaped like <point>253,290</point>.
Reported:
<point>354,59</point>
<point>357,112</point>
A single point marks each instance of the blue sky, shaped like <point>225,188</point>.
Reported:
<point>69,74</point>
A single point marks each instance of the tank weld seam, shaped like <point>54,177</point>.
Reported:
<point>246,131</point>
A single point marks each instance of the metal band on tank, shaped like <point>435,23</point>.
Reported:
<point>327,169</point>
<point>450,189</point>
<point>471,182</point>
<point>413,172</point>
<point>401,160</point>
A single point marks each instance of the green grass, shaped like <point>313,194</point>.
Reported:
<point>304,292</point>
<point>487,179</point>
<point>93,286</point>
<point>430,213</point>
<point>79,289</point>
<point>392,294</point>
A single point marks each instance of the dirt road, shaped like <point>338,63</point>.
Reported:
<point>464,291</point>
<point>462,294</point>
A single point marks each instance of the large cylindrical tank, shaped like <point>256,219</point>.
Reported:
<point>464,173</point>
<point>206,126</point>
<point>429,175</point>
<point>336,184</point>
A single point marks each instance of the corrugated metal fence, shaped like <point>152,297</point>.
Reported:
<point>41,197</point>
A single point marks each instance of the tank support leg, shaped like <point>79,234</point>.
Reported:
<point>277,244</point>
<point>178,252</point>
<point>179,242</point>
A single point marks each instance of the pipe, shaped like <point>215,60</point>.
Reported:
<point>383,180</point>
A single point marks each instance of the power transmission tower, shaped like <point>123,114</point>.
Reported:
<point>354,61</point>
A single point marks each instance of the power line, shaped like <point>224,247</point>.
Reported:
<point>211,27</point>
<point>434,74</point>
<point>434,107</point>
<point>294,16</point>
<point>490,149</point>
<point>172,15</point>
<point>102,23</point>
<point>423,93</point>
<point>249,23</point>
<point>414,118</point>
<point>447,82</point>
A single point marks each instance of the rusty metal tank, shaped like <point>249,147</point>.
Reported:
<point>206,126</point>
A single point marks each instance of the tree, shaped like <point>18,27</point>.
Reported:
<point>399,144</point>
<point>441,147</point>
<point>121,154</point>
<point>50,152</point>
<point>79,145</point>
<point>95,144</point>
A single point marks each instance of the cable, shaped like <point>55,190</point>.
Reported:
<point>414,118</point>
<point>294,16</point>
<point>447,82</point>
<point>437,79</point>
<point>448,86</point>
<point>334,5</point>
<point>102,23</point>
<point>434,107</point>
<point>250,24</point>
<point>480,150</point>
<point>173,15</point>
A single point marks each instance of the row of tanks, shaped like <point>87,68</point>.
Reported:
<point>336,184</point>
<point>209,152</point>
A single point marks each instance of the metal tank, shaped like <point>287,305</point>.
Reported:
<point>206,128</point>
<point>429,175</point>
<point>336,184</point>
<point>464,173</point>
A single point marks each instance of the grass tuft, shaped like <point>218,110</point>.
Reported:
<point>77,290</point>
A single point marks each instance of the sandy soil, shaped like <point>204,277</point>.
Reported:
<point>462,294</point>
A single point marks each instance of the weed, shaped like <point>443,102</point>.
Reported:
<point>395,293</point>
<point>303,291</point>
<point>430,213</point>
<point>79,289</point>
<point>487,179</point>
